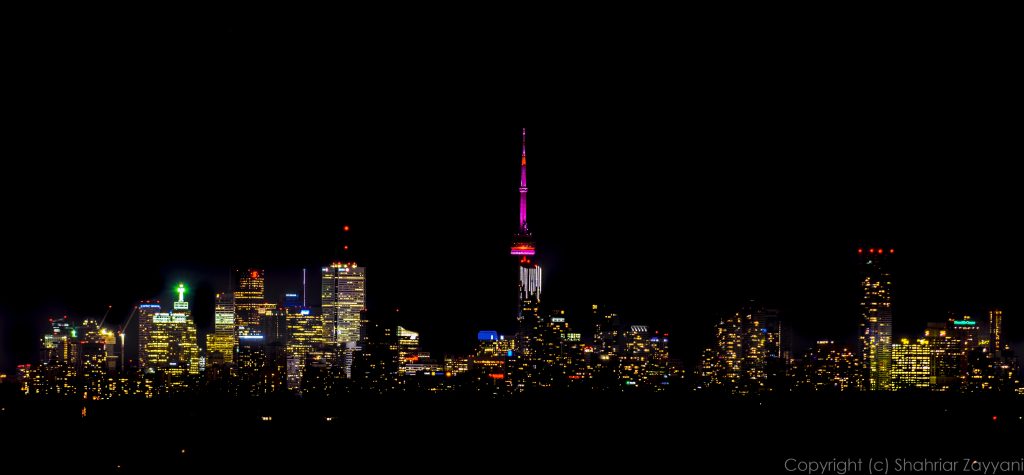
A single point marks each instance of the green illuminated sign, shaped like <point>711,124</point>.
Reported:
<point>181,292</point>
<point>965,322</point>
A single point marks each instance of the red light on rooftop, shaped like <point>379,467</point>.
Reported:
<point>255,275</point>
<point>860,251</point>
<point>345,228</point>
<point>871,251</point>
<point>891,251</point>
<point>995,418</point>
<point>346,247</point>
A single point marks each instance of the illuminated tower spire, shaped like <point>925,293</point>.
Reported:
<point>523,189</point>
<point>522,244</point>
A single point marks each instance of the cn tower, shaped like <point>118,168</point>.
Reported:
<point>523,245</point>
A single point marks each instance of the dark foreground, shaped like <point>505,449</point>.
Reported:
<point>664,434</point>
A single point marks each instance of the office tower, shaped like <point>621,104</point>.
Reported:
<point>490,360</point>
<point>976,368</point>
<point>146,311</point>
<point>375,367</point>
<point>343,298</point>
<point>251,365</point>
<point>911,365</point>
<point>876,310</point>
<point>995,328</point>
<point>607,330</point>
<point>291,301</point>
<point>170,345</point>
<point>96,359</point>
<point>945,356</point>
<point>250,300</point>
<point>408,349</point>
<point>322,375</point>
<point>60,355</point>
<point>221,345</point>
<point>827,367</point>
<point>57,344</point>
<point>305,334</point>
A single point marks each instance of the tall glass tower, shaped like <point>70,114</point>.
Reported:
<point>876,311</point>
<point>343,298</point>
<point>249,301</point>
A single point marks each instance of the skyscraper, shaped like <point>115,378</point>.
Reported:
<point>738,361</point>
<point>305,334</point>
<point>146,326</point>
<point>876,310</point>
<point>911,364</point>
<point>995,328</point>
<point>343,298</point>
<point>171,344</point>
<point>223,342</point>
<point>249,300</point>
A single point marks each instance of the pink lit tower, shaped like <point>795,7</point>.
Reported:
<point>523,247</point>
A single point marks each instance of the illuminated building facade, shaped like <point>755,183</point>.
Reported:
<point>739,360</point>
<point>644,359</point>
<point>490,360</point>
<point>945,355</point>
<point>995,328</point>
<point>827,367</point>
<point>171,345</point>
<point>408,350</point>
<point>305,334</point>
<point>96,359</point>
<point>222,344</point>
<point>375,368</point>
<point>250,300</point>
<point>343,299</point>
<point>147,310</point>
<point>876,311</point>
<point>911,365</point>
<point>57,345</point>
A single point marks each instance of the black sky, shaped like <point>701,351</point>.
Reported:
<point>671,181</point>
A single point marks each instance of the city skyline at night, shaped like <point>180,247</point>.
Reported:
<point>263,344</point>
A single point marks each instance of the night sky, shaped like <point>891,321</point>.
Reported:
<point>670,184</point>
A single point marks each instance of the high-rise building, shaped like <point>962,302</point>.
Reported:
<point>827,367</point>
<point>739,361</point>
<point>995,328</point>
<point>408,349</point>
<point>945,355</point>
<point>147,310</point>
<point>876,311</point>
<point>489,363</point>
<point>171,344</point>
<point>644,358</point>
<point>305,334</point>
<point>911,365</point>
<point>57,344</point>
<point>222,344</point>
<point>343,299</point>
<point>250,300</point>
<point>291,301</point>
